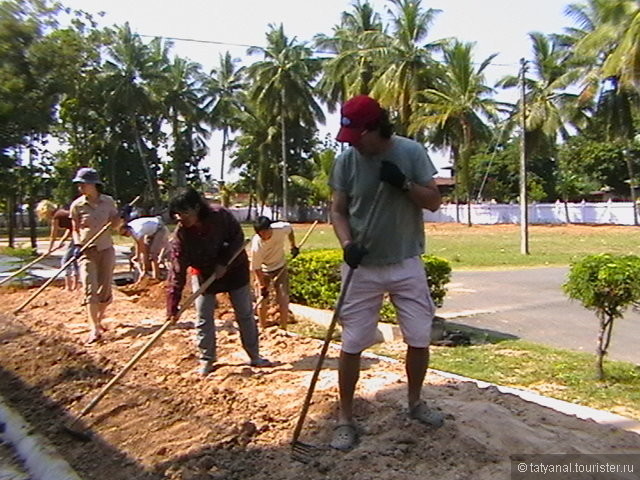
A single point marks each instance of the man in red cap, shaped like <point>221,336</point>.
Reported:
<point>391,177</point>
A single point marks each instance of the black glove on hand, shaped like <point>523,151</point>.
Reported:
<point>390,173</point>
<point>294,252</point>
<point>264,292</point>
<point>353,254</point>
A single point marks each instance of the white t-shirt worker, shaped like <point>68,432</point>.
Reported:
<point>269,265</point>
<point>152,243</point>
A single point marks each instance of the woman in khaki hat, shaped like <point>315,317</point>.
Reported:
<point>89,213</point>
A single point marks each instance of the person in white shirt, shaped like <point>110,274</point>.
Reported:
<point>151,243</point>
<point>269,265</point>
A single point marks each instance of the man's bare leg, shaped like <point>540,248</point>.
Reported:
<point>348,375</point>
<point>416,363</point>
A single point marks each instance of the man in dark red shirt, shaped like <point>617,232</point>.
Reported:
<point>205,240</point>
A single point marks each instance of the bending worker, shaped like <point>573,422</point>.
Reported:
<point>269,265</point>
<point>151,243</point>
<point>395,172</point>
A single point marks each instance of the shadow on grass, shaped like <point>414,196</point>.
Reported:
<point>480,335</point>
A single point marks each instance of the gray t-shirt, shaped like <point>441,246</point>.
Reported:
<point>397,230</point>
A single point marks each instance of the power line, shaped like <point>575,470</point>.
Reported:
<point>244,45</point>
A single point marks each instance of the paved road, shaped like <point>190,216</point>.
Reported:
<point>529,303</point>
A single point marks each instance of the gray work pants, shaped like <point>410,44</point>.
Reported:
<point>206,330</point>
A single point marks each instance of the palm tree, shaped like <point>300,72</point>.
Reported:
<point>180,94</point>
<point>281,84</point>
<point>457,108</point>
<point>610,44</point>
<point>128,95</point>
<point>224,103</point>
<point>255,146</point>
<point>317,182</point>
<point>407,64</point>
<point>610,36</point>
<point>352,70</point>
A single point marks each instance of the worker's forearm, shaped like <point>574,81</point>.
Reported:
<point>340,223</point>
<point>425,196</point>
<point>260,277</point>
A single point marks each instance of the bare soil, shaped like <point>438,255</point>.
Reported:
<point>164,421</point>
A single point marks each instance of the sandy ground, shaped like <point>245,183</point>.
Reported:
<point>164,421</point>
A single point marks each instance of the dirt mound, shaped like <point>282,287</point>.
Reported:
<point>164,421</point>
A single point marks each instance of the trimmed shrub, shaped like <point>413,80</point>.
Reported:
<point>606,284</point>
<point>314,278</point>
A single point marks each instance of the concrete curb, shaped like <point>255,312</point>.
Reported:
<point>39,457</point>
<point>388,332</point>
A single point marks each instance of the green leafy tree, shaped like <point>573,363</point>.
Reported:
<point>606,284</point>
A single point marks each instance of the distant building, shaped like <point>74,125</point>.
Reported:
<point>445,185</point>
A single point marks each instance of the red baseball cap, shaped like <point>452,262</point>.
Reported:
<point>358,114</point>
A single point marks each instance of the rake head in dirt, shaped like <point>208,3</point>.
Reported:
<point>304,452</point>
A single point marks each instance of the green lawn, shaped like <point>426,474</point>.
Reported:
<point>498,246</point>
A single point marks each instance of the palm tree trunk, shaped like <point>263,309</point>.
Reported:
<point>285,216</point>
<point>223,150</point>
<point>466,153</point>
<point>11,218</point>
<point>31,203</point>
<point>153,185</point>
<point>632,185</point>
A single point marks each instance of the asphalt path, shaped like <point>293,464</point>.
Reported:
<point>530,304</point>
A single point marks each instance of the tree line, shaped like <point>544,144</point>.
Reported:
<point>142,115</point>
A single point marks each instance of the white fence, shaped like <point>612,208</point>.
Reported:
<point>615,213</point>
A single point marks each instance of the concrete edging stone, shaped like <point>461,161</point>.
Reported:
<point>39,457</point>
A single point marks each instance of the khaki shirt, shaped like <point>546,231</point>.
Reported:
<point>88,218</point>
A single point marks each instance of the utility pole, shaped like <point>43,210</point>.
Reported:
<point>524,207</point>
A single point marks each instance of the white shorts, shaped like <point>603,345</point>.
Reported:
<point>406,284</point>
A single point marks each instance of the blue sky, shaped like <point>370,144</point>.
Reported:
<point>497,26</point>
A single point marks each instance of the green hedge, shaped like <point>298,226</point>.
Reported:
<point>314,278</point>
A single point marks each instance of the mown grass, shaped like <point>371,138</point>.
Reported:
<point>23,253</point>
<point>498,246</point>
<point>549,371</point>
